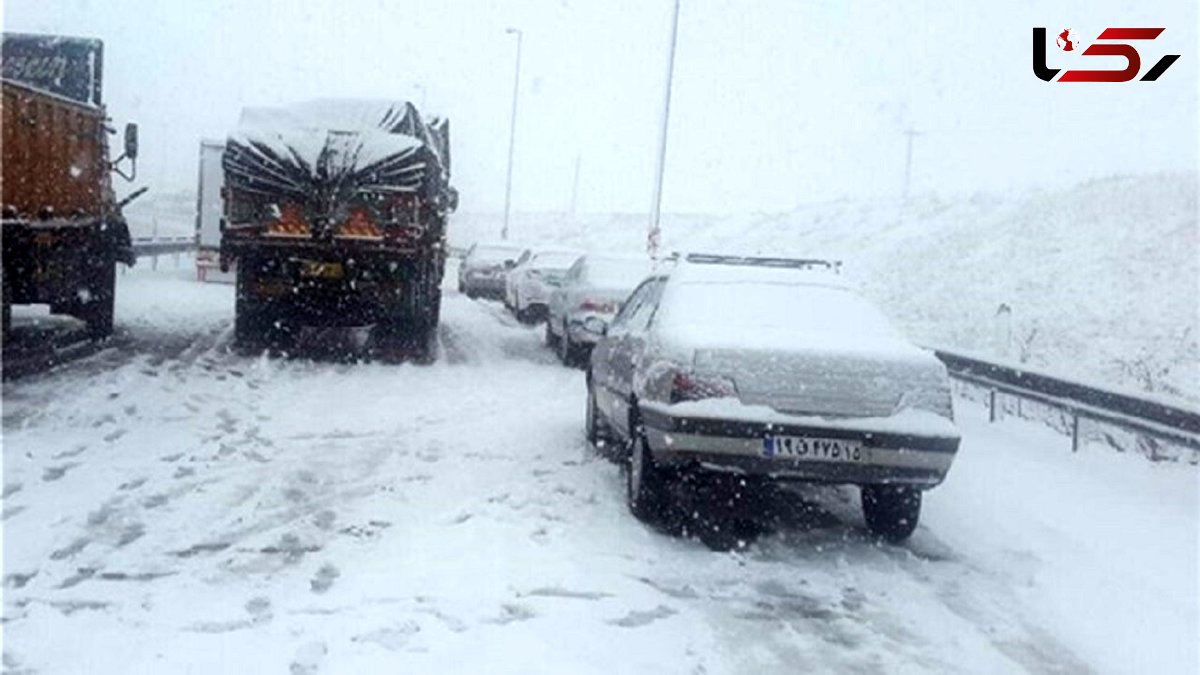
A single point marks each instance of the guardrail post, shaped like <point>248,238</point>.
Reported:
<point>1074,432</point>
<point>992,405</point>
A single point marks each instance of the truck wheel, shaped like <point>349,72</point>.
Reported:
<point>99,311</point>
<point>7,304</point>
<point>425,345</point>
<point>253,320</point>
<point>891,511</point>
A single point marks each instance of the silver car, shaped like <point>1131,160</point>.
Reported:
<point>484,268</point>
<point>770,368</point>
<point>589,297</point>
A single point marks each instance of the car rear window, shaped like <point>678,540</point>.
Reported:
<point>785,307</point>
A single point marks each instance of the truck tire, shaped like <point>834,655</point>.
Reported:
<point>253,318</point>
<point>891,511</point>
<point>98,312</point>
<point>7,304</point>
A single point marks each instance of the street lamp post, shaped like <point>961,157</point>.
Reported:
<point>652,235</point>
<point>512,133</point>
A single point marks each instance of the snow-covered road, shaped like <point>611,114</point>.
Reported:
<point>172,507</point>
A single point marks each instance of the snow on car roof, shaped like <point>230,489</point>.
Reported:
<point>688,271</point>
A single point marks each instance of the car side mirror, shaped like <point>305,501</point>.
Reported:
<point>131,140</point>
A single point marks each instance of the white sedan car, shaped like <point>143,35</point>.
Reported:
<point>762,368</point>
<point>529,284</point>
<point>590,296</point>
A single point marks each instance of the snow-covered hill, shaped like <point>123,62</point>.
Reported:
<point>1099,281</point>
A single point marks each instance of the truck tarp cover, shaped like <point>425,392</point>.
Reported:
<point>323,151</point>
<point>64,66</point>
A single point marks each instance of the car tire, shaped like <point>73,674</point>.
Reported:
<point>891,511</point>
<point>567,352</point>
<point>592,426</point>
<point>646,483</point>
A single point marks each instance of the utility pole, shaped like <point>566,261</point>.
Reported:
<point>512,133</point>
<point>652,237</point>
<point>911,133</point>
<point>575,185</point>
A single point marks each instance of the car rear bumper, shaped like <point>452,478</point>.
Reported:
<point>738,447</point>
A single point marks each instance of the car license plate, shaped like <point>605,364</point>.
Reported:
<point>316,269</point>
<point>814,449</point>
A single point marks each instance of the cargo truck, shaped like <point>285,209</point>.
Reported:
<point>335,215</point>
<point>63,230</point>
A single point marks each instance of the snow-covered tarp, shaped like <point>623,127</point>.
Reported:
<point>322,151</point>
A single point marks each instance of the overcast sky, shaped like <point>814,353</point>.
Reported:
<point>776,103</point>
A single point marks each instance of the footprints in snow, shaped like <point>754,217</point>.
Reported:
<point>324,579</point>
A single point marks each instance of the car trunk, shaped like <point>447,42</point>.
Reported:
<point>850,380</point>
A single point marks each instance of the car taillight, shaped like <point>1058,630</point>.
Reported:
<point>692,387</point>
<point>599,306</point>
<point>289,223</point>
<point>359,225</point>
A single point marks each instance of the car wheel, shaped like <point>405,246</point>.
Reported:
<point>591,422</point>
<point>646,482</point>
<point>566,350</point>
<point>891,511</point>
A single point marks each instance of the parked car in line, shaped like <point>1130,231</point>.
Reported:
<point>770,368</point>
<point>535,276</point>
<point>485,267</point>
<point>590,296</point>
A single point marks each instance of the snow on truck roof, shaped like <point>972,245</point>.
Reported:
<point>375,142</point>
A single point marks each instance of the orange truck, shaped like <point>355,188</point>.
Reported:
<point>63,231</point>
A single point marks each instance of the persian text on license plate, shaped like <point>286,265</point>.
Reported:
<point>315,269</point>
<point>818,449</point>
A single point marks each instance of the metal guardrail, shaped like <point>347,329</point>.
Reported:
<point>154,246</point>
<point>1142,414</point>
